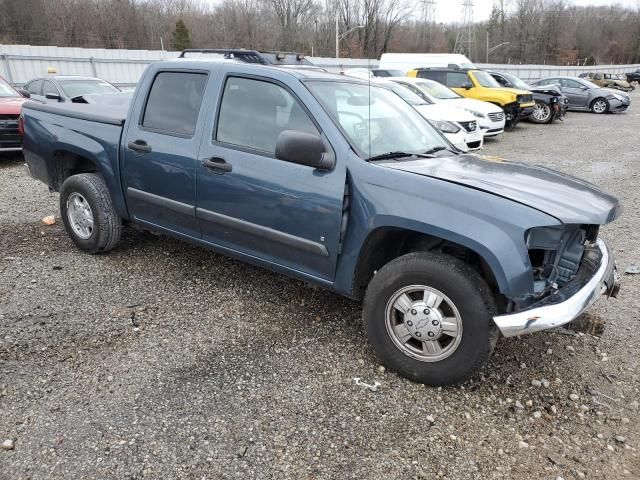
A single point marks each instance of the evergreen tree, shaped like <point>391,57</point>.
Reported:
<point>180,37</point>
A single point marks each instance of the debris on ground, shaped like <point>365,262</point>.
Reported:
<point>373,388</point>
<point>632,269</point>
<point>49,220</point>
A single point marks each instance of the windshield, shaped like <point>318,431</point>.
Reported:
<point>485,80</point>
<point>373,119</point>
<point>437,90</point>
<point>7,90</point>
<point>76,88</point>
<point>516,81</point>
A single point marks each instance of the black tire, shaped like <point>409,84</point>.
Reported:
<point>538,118</point>
<point>107,225</point>
<point>595,105</point>
<point>463,286</point>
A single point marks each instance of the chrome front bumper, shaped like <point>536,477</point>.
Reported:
<point>596,276</point>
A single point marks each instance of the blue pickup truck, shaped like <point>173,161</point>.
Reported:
<point>337,182</point>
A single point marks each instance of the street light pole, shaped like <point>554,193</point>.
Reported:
<point>337,39</point>
<point>340,37</point>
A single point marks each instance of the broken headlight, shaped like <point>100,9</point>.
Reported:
<point>556,253</point>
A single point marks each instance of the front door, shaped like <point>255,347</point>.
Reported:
<point>281,213</point>
<point>160,152</point>
<point>577,93</point>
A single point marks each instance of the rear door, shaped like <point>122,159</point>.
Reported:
<point>457,81</point>
<point>249,201</point>
<point>160,150</point>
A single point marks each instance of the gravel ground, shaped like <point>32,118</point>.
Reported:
<point>162,360</point>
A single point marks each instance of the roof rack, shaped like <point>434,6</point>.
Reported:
<point>253,56</point>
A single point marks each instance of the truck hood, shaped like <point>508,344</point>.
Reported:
<point>11,105</point>
<point>567,198</point>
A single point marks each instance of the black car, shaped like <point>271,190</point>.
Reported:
<point>633,76</point>
<point>551,104</point>
<point>66,88</point>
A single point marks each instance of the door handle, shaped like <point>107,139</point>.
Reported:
<point>218,164</point>
<point>139,146</point>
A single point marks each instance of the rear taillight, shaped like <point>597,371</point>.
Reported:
<point>21,126</point>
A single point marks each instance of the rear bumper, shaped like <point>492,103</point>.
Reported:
<point>596,276</point>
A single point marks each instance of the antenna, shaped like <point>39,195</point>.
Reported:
<point>466,38</point>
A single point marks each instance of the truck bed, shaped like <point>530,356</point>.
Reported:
<point>110,114</point>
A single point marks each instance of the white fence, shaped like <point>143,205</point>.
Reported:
<point>20,63</point>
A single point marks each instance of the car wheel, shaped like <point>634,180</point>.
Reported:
<point>88,213</point>
<point>542,113</point>
<point>600,105</point>
<point>429,317</point>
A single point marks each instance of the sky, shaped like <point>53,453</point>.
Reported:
<point>448,11</point>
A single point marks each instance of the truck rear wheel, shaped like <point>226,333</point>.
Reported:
<point>429,317</point>
<point>88,213</point>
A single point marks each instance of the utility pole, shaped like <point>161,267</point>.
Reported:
<point>466,38</point>
<point>428,17</point>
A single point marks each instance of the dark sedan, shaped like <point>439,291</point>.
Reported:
<point>66,88</point>
<point>585,95</point>
<point>551,104</point>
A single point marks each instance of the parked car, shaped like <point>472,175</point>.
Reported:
<point>633,76</point>
<point>478,84</point>
<point>387,72</point>
<point>10,107</point>
<point>340,184</point>
<point>490,117</point>
<point>551,104</point>
<point>608,80</point>
<point>585,95</point>
<point>457,125</point>
<point>66,88</point>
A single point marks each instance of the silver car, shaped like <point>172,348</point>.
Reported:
<point>585,95</point>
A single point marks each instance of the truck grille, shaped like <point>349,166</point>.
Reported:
<point>528,98</point>
<point>496,117</point>
<point>470,126</point>
<point>9,116</point>
<point>9,137</point>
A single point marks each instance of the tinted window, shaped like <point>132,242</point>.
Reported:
<point>49,87</point>
<point>436,76</point>
<point>35,87</point>
<point>457,79</point>
<point>266,107</point>
<point>174,102</point>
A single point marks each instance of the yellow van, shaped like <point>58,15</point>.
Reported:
<point>478,84</point>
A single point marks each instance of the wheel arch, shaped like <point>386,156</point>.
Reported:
<point>384,244</point>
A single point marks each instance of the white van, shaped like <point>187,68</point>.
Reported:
<point>409,61</point>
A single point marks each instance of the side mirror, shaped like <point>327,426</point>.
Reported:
<point>304,149</point>
<point>467,85</point>
<point>53,96</point>
<point>24,93</point>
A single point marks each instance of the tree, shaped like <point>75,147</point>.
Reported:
<point>180,37</point>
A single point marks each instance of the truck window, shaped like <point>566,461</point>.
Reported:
<point>174,102</point>
<point>49,87</point>
<point>457,79</point>
<point>266,107</point>
<point>35,87</point>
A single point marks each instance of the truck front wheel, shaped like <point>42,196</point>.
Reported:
<point>429,317</point>
<point>88,214</point>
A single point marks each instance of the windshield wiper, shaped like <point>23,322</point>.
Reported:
<point>392,155</point>
<point>439,148</point>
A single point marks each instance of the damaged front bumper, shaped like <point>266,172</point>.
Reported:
<point>596,276</point>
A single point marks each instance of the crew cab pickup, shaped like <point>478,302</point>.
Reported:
<point>337,182</point>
